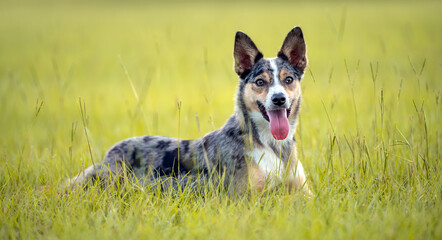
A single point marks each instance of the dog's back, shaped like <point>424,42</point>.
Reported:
<point>254,147</point>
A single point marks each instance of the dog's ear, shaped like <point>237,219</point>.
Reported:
<point>294,50</point>
<point>246,54</point>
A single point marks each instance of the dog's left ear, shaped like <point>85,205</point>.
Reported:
<point>294,50</point>
<point>246,54</point>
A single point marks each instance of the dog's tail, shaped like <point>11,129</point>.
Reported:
<point>81,180</point>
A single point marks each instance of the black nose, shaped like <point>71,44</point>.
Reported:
<point>278,99</point>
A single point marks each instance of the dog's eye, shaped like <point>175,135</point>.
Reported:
<point>288,80</point>
<point>259,82</point>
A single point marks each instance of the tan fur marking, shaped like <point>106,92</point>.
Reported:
<point>299,181</point>
<point>257,178</point>
<point>293,90</point>
<point>284,73</point>
<point>297,93</point>
<point>253,93</point>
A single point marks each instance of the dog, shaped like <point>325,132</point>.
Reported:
<point>254,149</point>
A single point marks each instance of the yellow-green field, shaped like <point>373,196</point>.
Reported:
<point>369,136</point>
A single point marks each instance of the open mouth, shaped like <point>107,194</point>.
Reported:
<point>263,111</point>
<point>278,121</point>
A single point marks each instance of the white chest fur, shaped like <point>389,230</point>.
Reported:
<point>274,168</point>
<point>269,163</point>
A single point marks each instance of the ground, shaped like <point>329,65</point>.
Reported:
<point>77,77</point>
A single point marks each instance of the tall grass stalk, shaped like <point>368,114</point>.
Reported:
<point>368,137</point>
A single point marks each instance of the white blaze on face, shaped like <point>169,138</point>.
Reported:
<point>279,124</point>
<point>276,86</point>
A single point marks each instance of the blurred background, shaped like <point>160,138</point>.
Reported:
<point>374,73</point>
<point>78,76</point>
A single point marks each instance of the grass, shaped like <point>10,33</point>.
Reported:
<point>369,134</point>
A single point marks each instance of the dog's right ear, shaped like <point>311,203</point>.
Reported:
<point>294,50</point>
<point>246,54</point>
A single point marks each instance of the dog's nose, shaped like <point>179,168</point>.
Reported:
<point>278,99</point>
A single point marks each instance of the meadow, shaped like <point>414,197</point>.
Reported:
<point>77,77</point>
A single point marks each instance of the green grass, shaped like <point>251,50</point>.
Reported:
<point>369,134</point>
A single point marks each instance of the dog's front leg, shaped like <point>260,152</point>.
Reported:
<point>297,178</point>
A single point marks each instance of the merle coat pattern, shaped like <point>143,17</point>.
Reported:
<point>243,151</point>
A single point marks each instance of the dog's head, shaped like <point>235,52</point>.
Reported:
<point>270,88</point>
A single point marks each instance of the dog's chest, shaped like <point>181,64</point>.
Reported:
<point>270,163</point>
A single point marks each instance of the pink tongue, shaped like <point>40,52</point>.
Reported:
<point>279,124</point>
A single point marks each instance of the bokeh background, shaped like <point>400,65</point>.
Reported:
<point>371,95</point>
